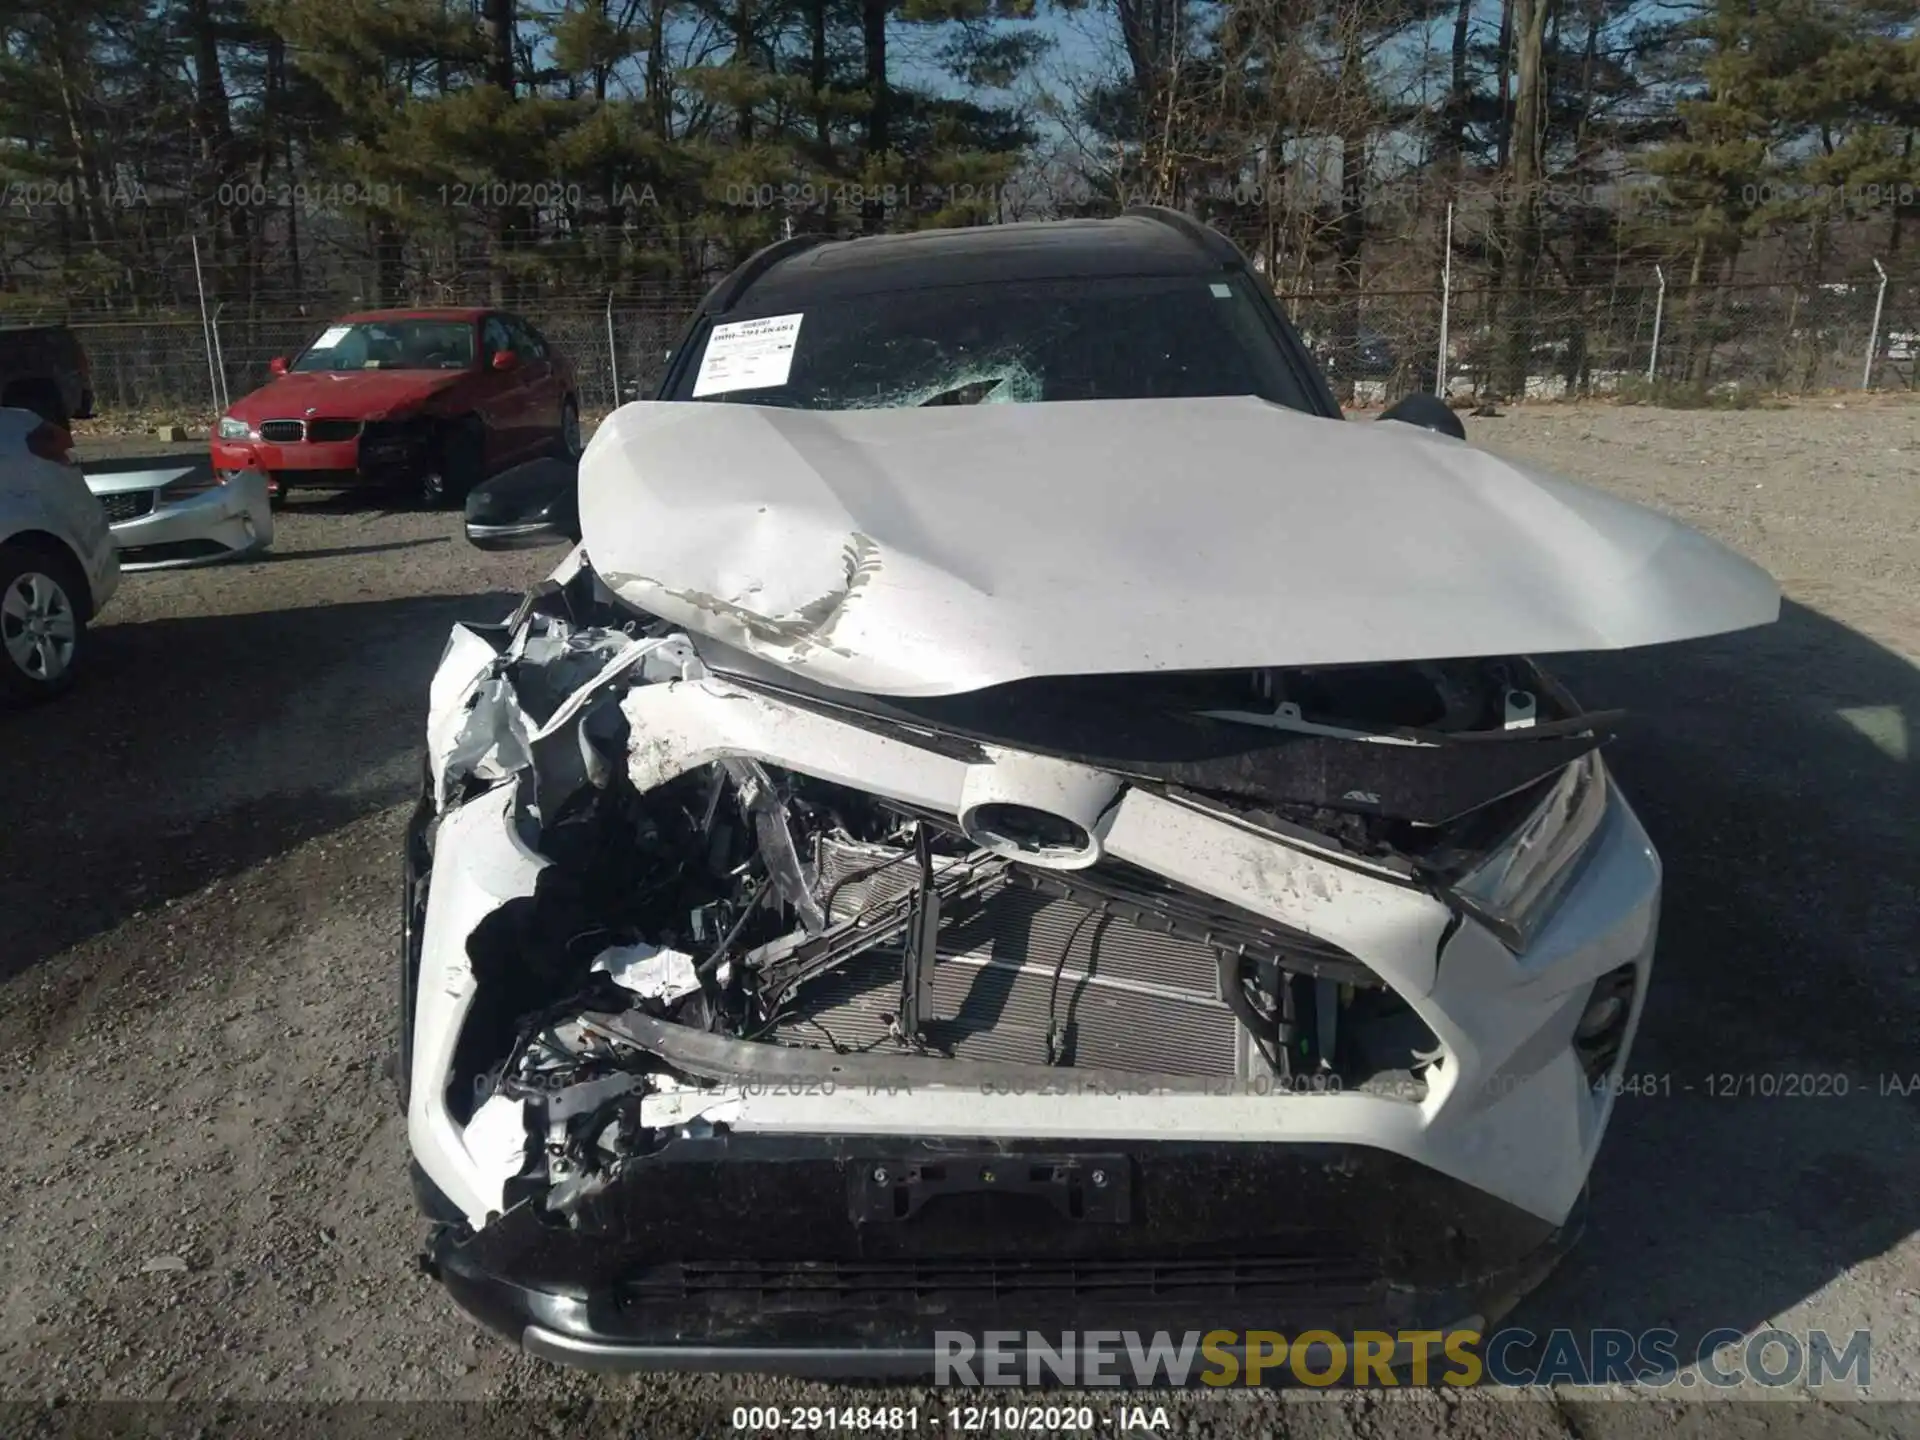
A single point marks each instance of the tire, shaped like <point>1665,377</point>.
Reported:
<point>460,465</point>
<point>43,626</point>
<point>568,444</point>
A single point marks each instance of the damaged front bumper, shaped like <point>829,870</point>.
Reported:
<point>157,526</point>
<point>1161,1065</point>
<point>819,1255</point>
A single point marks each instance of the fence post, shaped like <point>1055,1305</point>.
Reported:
<point>206,329</point>
<point>1446,305</point>
<point>1873,333</point>
<point>220,357</point>
<point>1659,312</point>
<point>613,352</point>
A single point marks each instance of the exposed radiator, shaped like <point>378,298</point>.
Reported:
<point>1127,998</point>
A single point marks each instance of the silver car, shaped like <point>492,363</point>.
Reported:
<point>168,514</point>
<point>57,562</point>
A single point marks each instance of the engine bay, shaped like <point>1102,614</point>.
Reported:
<point>751,902</point>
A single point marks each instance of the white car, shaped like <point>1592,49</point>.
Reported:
<point>1101,862</point>
<point>168,514</point>
<point>57,561</point>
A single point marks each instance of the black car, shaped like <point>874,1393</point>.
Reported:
<point>44,368</point>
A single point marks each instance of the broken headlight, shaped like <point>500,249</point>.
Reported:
<point>1514,888</point>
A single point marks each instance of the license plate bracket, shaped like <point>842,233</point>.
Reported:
<point>1094,1189</point>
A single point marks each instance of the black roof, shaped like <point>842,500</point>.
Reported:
<point>1140,242</point>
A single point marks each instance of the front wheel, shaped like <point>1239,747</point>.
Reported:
<point>458,467</point>
<point>569,444</point>
<point>42,625</point>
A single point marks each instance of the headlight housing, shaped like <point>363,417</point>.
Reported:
<point>232,427</point>
<point>1514,888</point>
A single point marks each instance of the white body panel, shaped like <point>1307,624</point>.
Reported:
<point>935,551</point>
<point>478,865</point>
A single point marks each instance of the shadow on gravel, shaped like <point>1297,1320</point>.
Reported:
<point>366,500</point>
<point>1766,1154</point>
<point>195,749</point>
<point>274,557</point>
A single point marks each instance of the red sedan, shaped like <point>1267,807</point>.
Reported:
<point>437,399</point>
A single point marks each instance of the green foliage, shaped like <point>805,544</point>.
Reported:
<point>1802,112</point>
<point>637,135</point>
<point>370,146</point>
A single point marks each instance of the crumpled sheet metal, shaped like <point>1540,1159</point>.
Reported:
<point>476,726</point>
<point>938,550</point>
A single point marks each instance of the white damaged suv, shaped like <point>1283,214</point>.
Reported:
<point>1016,816</point>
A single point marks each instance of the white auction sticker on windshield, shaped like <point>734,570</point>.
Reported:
<point>330,338</point>
<point>748,355</point>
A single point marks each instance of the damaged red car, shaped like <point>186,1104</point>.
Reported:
<point>433,400</point>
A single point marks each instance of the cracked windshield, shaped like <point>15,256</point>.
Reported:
<point>1109,338</point>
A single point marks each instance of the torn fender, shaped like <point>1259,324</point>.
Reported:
<point>478,722</point>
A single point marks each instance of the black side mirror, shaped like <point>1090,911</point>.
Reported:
<point>1429,412</point>
<point>534,504</point>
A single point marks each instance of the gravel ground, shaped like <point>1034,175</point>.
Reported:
<point>205,1197</point>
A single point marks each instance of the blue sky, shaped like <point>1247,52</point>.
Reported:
<point>1084,43</point>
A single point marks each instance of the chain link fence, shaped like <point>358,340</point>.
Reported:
<point>1641,340</point>
<point>179,366</point>
<point>1645,340</point>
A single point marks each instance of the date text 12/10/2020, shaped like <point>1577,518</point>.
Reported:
<point>961,1419</point>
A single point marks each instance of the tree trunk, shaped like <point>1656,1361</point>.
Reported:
<point>817,76</point>
<point>873,32</point>
<point>601,70</point>
<point>1504,130</point>
<point>500,73</point>
<point>1527,150</point>
<point>1454,128</point>
<point>743,59</point>
<point>1692,308</point>
<point>277,84</point>
<point>1898,216</point>
<point>500,43</point>
<point>1588,62</point>
<point>272,106</point>
<point>390,274</point>
<point>213,127</point>
<point>86,168</point>
<point>1349,245</point>
<point>657,103</point>
<point>1707,334</point>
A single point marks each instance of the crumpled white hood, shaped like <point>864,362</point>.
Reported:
<point>937,550</point>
